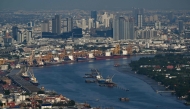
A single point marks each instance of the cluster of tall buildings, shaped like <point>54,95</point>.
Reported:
<point>21,35</point>
<point>123,28</point>
<point>59,25</point>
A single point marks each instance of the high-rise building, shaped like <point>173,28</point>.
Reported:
<point>56,24</point>
<point>131,29</point>
<point>181,28</point>
<point>137,11</point>
<point>29,36</point>
<point>90,23</point>
<point>20,37</point>
<point>45,26</point>
<point>94,16</point>
<point>123,28</point>
<point>139,20</point>
<point>147,34</point>
<point>53,25</point>
<point>30,24</point>
<point>158,25</point>
<point>67,24</point>
<point>14,32</point>
<point>83,24</point>
<point>105,19</point>
<point>171,17</point>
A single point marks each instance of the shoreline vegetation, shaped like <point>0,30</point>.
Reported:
<point>170,71</point>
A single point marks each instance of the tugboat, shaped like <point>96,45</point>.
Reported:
<point>124,99</point>
<point>25,74</point>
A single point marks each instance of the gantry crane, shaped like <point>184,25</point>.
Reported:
<point>116,50</point>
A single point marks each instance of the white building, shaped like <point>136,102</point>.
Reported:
<point>83,24</point>
<point>29,36</point>
<point>158,25</point>
<point>90,23</point>
<point>20,37</point>
<point>105,19</point>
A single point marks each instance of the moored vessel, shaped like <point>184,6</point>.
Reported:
<point>25,74</point>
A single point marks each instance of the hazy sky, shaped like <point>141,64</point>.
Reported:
<point>94,4</point>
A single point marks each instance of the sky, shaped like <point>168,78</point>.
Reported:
<point>93,4</point>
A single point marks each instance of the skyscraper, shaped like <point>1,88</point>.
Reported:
<point>94,16</point>
<point>45,26</point>
<point>67,24</point>
<point>14,32</point>
<point>137,11</point>
<point>30,24</point>
<point>123,28</point>
<point>90,23</point>
<point>20,37</point>
<point>116,29</point>
<point>171,17</point>
<point>131,29</point>
<point>83,24</point>
<point>105,19</point>
<point>158,25</point>
<point>29,36</point>
<point>180,26</point>
<point>139,20</point>
<point>56,24</point>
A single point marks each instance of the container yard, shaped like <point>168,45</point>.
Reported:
<point>64,56</point>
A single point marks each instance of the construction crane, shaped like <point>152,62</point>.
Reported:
<point>30,59</point>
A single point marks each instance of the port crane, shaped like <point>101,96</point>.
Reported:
<point>47,57</point>
<point>62,55</point>
<point>116,50</point>
<point>30,59</point>
<point>97,53</point>
<point>33,78</point>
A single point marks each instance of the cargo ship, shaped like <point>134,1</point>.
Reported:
<point>54,61</point>
<point>25,74</point>
<point>81,59</point>
<point>108,55</point>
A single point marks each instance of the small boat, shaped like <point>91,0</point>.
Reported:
<point>124,99</point>
<point>116,65</point>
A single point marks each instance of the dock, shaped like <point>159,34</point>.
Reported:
<point>169,91</point>
<point>26,85</point>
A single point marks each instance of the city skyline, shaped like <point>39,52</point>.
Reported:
<point>91,4</point>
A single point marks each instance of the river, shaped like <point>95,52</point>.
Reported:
<point>68,80</point>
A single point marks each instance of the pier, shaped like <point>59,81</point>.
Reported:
<point>26,85</point>
<point>170,91</point>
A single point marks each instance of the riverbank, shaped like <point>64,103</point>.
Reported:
<point>153,84</point>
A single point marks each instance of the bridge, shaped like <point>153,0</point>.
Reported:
<point>26,85</point>
<point>169,91</point>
